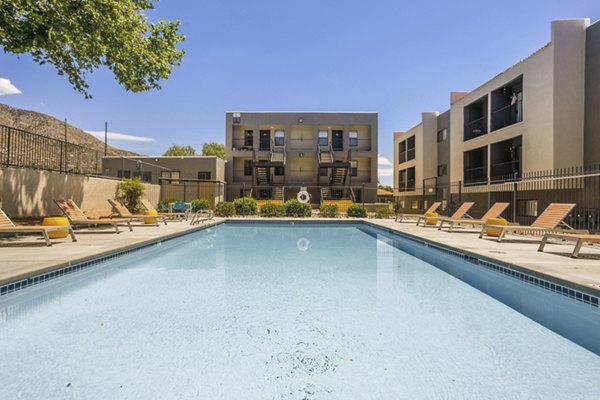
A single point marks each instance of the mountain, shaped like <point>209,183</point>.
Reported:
<point>46,125</point>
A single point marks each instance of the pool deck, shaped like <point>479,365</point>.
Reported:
<point>28,256</point>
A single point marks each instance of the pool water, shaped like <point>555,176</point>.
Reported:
<point>280,311</point>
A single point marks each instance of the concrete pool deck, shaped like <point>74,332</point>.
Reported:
<point>27,256</point>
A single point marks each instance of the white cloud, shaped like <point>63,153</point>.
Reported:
<point>6,87</point>
<point>120,136</point>
<point>383,161</point>
<point>385,169</point>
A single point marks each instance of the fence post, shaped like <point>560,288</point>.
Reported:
<point>60,160</point>
<point>514,211</point>
<point>243,199</point>
<point>8,147</point>
<point>459,193</point>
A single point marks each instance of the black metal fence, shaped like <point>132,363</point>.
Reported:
<point>528,196</point>
<point>190,189</point>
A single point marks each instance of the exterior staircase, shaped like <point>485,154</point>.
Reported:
<point>262,175</point>
<point>277,193</point>
<point>339,176</point>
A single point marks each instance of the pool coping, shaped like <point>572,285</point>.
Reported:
<point>573,289</point>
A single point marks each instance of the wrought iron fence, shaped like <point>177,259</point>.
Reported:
<point>528,194</point>
<point>191,189</point>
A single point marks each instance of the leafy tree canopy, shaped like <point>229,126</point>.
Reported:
<point>180,151</point>
<point>79,36</point>
<point>214,149</point>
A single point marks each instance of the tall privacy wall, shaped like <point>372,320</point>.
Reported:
<point>30,193</point>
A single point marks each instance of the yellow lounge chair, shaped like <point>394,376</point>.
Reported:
<point>458,214</point>
<point>493,212</point>
<point>78,217</point>
<point>579,240</point>
<point>549,220</point>
<point>7,226</point>
<point>123,212</point>
<point>171,215</point>
<point>400,217</point>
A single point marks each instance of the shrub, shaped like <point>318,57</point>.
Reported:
<point>225,209</point>
<point>200,204</point>
<point>356,210</point>
<point>293,208</point>
<point>384,212</point>
<point>163,205</point>
<point>272,210</point>
<point>129,192</point>
<point>245,206</point>
<point>329,210</point>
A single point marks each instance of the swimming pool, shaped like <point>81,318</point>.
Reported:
<point>302,311</point>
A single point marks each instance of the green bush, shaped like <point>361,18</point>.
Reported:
<point>293,208</point>
<point>329,210</point>
<point>200,204</point>
<point>129,192</point>
<point>225,209</point>
<point>356,210</point>
<point>272,210</point>
<point>245,206</point>
<point>384,212</point>
<point>163,205</point>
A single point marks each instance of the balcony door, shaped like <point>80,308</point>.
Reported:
<point>337,140</point>
<point>265,140</point>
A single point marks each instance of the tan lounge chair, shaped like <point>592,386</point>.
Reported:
<point>123,212</point>
<point>171,215</point>
<point>458,214</point>
<point>493,212</point>
<point>400,217</point>
<point>77,217</point>
<point>549,220</point>
<point>201,216</point>
<point>579,240</point>
<point>7,226</point>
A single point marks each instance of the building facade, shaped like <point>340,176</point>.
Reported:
<point>538,115</point>
<point>181,178</point>
<point>273,155</point>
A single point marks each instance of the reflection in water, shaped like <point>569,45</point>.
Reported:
<point>303,244</point>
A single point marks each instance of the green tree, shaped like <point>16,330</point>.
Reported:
<point>213,149</point>
<point>179,151</point>
<point>78,36</point>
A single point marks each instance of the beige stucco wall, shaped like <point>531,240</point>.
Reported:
<point>30,193</point>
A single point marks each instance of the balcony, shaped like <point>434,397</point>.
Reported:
<point>504,172</point>
<point>507,115</point>
<point>475,128</point>
<point>506,160</point>
<point>475,117</point>
<point>475,176</point>
<point>475,166</point>
<point>507,104</point>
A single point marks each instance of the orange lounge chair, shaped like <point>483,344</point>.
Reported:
<point>7,226</point>
<point>458,214</point>
<point>123,212</point>
<point>549,220</point>
<point>493,212</point>
<point>579,240</point>
<point>78,217</point>
<point>400,217</point>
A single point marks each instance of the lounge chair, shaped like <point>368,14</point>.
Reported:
<point>123,212</point>
<point>171,215</point>
<point>77,217</point>
<point>549,220</point>
<point>201,216</point>
<point>579,240</point>
<point>400,217</point>
<point>7,226</point>
<point>458,214</point>
<point>493,212</point>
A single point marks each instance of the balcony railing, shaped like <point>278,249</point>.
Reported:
<point>505,171</point>
<point>475,176</point>
<point>507,115</point>
<point>475,128</point>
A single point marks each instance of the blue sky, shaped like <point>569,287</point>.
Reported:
<point>396,58</point>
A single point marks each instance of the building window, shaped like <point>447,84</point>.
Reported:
<point>322,171</point>
<point>410,148</point>
<point>402,152</point>
<point>279,138</point>
<point>402,181</point>
<point>414,204</point>
<point>167,176</point>
<point>146,176</point>
<point>278,171</point>
<point>249,138</point>
<point>353,139</point>
<point>442,170</point>
<point>204,175</point>
<point>410,179</point>
<point>527,208</point>
<point>123,174</point>
<point>247,167</point>
<point>353,168</point>
<point>442,135</point>
<point>237,118</point>
<point>323,138</point>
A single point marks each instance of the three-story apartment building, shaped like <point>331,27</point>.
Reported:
<point>272,155</point>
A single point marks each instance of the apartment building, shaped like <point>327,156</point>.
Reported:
<point>272,155</point>
<point>539,114</point>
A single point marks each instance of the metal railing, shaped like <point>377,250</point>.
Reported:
<point>507,115</point>
<point>475,128</point>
